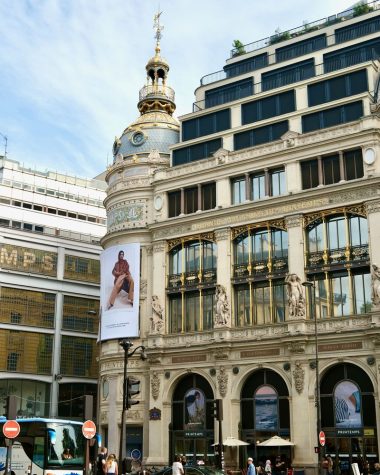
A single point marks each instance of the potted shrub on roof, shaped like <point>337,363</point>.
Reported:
<point>361,8</point>
<point>238,48</point>
<point>278,36</point>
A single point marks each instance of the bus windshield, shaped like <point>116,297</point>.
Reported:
<point>68,447</point>
<point>45,446</point>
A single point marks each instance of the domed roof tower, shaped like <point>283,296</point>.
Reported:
<point>142,149</point>
<point>156,128</point>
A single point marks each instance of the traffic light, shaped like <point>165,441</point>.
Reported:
<point>218,409</point>
<point>132,389</point>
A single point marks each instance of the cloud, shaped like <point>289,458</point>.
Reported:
<point>71,70</point>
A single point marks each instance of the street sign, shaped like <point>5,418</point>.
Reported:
<point>322,438</point>
<point>89,429</point>
<point>11,429</point>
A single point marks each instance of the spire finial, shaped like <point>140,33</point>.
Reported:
<point>158,28</point>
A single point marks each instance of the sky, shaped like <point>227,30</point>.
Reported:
<point>71,70</point>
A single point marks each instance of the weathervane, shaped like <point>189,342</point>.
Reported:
<point>158,28</point>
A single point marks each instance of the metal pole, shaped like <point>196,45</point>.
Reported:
<point>221,447</point>
<point>125,345</point>
<point>309,284</point>
<point>317,391</point>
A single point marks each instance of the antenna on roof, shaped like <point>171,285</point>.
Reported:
<point>5,144</point>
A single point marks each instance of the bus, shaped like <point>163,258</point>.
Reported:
<point>44,447</point>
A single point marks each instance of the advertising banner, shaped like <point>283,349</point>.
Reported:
<point>119,292</point>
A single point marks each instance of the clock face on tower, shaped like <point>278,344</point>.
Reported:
<point>138,138</point>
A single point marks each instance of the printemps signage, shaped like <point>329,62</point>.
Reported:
<point>25,259</point>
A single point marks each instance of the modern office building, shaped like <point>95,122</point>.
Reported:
<point>273,182</point>
<point>50,230</point>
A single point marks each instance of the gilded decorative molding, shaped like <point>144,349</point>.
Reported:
<point>155,385</point>
<point>277,223</point>
<point>159,246</point>
<point>222,234</point>
<point>222,381</point>
<point>299,377</point>
<point>373,206</point>
<point>293,221</point>
<point>209,236</point>
<point>359,209</point>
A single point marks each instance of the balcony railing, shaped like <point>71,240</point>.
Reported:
<point>262,267</point>
<point>294,76</point>
<point>354,254</point>
<point>274,58</point>
<point>306,28</point>
<point>157,90</point>
<point>190,279</point>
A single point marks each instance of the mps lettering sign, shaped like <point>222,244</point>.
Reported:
<point>25,259</point>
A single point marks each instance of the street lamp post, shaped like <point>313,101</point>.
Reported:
<point>311,285</point>
<point>126,345</point>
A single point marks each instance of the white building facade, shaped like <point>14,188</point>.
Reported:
<point>273,182</point>
<point>50,225</point>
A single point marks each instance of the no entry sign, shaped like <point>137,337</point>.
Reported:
<point>11,429</point>
<point>322,438</point>
<point>89,429</point>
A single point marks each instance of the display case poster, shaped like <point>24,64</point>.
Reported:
<point>347,401</point>
<point>119,292</point>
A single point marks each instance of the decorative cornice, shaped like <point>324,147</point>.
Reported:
<point>293,221</point>
<point>222,234</point>
<point>373,206</point>
<point>159,246</point>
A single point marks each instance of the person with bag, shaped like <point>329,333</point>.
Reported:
<point>100,461</point>
<point>268,467</point>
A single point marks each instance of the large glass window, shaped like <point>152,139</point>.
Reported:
<point>228,93</point>
<point>330,117</point>
<point>192,267</point>
<point>336,88</point>
<point>33,397</point>
<point>287,75</point>
<point>81,268</point>
<point>196,152</point>
<point>334,241</point>
<point>271,106</point>
<point>206,124</point>
<point>260,135</point>
<point>26,307</point>
<point>26,352</point>
<point>80,314</point>
<point>78,357</point>
<point>238,190</point>
<point>300,48</point>
<point>356,54</point>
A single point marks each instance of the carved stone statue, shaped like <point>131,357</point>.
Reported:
<point>296,296</point>
<point>298,375</point>
<point>375,284</point>
<point>157,320</point>
<point>223,381</point>
<point>222,307</point>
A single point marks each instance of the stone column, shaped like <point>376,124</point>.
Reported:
<point>159,275</point>
<point>304,435</point>
<point>114,414</point>
<point>373,217</point>
<point>158,424</point>
<point>222,237</point>
<point>295,245</point>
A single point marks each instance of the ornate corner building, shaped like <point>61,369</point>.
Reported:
<point>272,181</point>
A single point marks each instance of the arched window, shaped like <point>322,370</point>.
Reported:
<point>265,404</point>
<point>191,285</point>
<point>259,253</point>
<point>337,259</point>
<point>348,414</point>
<point>192,427</point>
